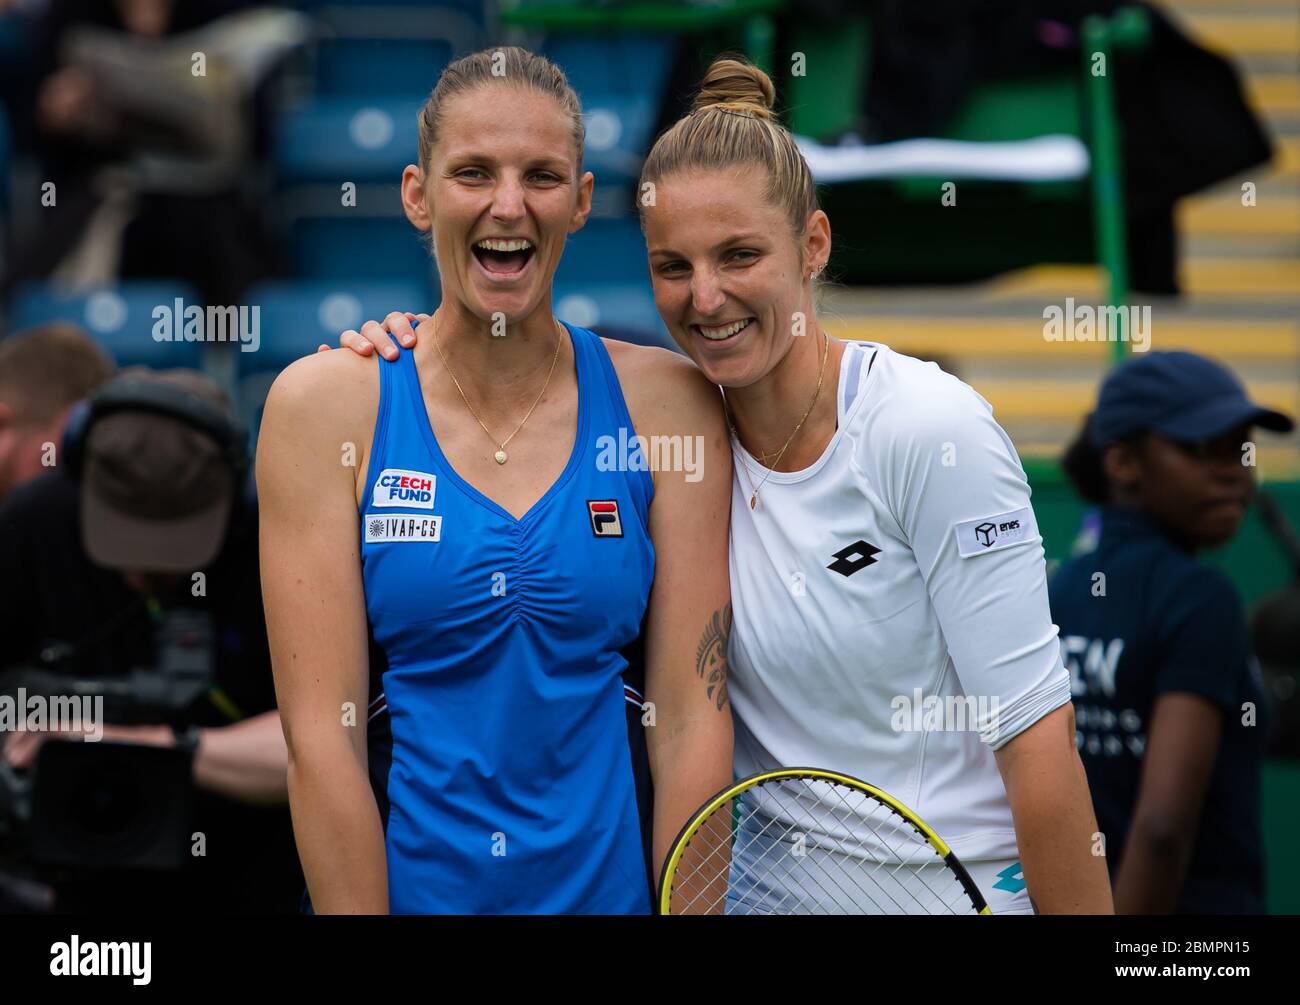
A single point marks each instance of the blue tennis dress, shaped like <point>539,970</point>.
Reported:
<point>498,736</point>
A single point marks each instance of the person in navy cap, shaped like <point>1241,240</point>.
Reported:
<point>1166,691</point>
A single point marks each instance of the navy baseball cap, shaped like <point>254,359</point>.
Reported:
<point>1179,395</point>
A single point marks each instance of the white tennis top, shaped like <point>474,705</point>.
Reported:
<point>890,602</point>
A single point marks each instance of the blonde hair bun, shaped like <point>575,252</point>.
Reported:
<point>731,85</point>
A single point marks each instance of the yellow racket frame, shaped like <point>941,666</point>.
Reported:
<point>736,788</point>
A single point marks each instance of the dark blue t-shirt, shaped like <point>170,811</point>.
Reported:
<point>1160,622</point>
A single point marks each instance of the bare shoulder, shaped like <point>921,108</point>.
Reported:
<point>327,392</point>
<point>321,409</point>
<point>664,389</point>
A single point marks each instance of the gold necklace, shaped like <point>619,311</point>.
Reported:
<point>500,456</point>
<point>753,499</point>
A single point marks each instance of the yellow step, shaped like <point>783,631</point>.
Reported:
<point>1287,159</point>
<point>1223,213</point>
<point>1062,399</point>
<point>1186,7</point>
<point>1023,336</point>
<point>1271,278</point>
<point>1274,94</point>
<point>1241,34</point>
<point>1218,278</point>
<point>1280,463</point>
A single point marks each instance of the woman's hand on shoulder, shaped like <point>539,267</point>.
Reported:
<point>397,327</point>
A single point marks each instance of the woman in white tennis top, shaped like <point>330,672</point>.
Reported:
<point>888,581</point>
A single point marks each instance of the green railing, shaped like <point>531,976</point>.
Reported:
<point>1127,29</point>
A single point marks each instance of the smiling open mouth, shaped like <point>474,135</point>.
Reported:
<point>720,333</point>
<point>504,257</point>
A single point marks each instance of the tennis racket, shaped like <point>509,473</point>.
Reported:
<point>807,841</point>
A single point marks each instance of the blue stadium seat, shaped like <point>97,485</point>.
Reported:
<point>358,67</point>
<point>621,81</point>
<point>4,163</point>
<point>340,246</point>
<point>296,317</point>
<point>603,280</point>
<point>123,319</point>
<point>623,306</point>
<point>16,35</point>
<point>606,249</point>
<point>348,139</point>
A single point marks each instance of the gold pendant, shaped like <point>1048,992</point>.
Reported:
<point>501,456</point>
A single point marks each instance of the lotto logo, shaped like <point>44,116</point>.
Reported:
<point>604,518</point>
<point>410,489</point>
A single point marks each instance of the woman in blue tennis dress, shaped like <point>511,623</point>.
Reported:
<point>513,567</point>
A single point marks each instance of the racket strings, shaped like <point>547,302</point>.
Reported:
<point>803,827</point>
<point>787,873</point>
<point>788,861</point>
<point>756,867</point>
<point>910,836</point>
<point>804,846</point>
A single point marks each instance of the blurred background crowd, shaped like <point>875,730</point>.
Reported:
<point>980,167</point>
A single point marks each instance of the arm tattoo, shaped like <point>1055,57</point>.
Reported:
<point>711,660</point>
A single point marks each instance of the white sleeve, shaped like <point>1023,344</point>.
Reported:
<point>956,487</point>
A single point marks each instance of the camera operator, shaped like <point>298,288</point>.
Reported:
<point>147,518</point>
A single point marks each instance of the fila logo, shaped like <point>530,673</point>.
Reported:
<point>410,489</point>
<point>604,518</point>
<point>853,557</point>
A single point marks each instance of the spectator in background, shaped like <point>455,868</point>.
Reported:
<point>92,560</point>
<point>154,166</point>
<point>1166,692</point>
<point>43,373</point>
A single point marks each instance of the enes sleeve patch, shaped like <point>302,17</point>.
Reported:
<point>992,533</point>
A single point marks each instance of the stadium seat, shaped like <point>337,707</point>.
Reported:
<point>16,34</point>
<point>4,164</point>
<point>122,319</point>
<point>602,280</point>
<point>624,306</point>
<point>621,80</point>
<point>892,227</point>
<point>391,48</point>
<point>357,67</point>
<point>605,250</point>
<point>340,246</point>
<point>338,140</point>
<point>296,317</point>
